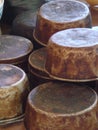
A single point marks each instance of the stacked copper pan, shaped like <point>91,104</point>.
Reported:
<point>52,105</point>
<point>39,88</point>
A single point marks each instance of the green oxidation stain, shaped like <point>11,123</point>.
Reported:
<point>28,4</point>
<point>23,18</point>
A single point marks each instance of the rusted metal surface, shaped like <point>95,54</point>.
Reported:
<point>36,64</point>
<point>5,29</point>
<point>14,89</point>
<point>60,106</point>
<point>14,126</point>
<point>37,61</point>
<point>55,16</point>
<point>15,50</point>
<point>72,54</point>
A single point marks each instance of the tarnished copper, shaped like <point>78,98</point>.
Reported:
<point>15,50</point>
<point>36,65</point>
<point>14,89</point>
<point>61,106</point>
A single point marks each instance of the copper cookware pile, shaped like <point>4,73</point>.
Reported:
<point>27,93</point>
